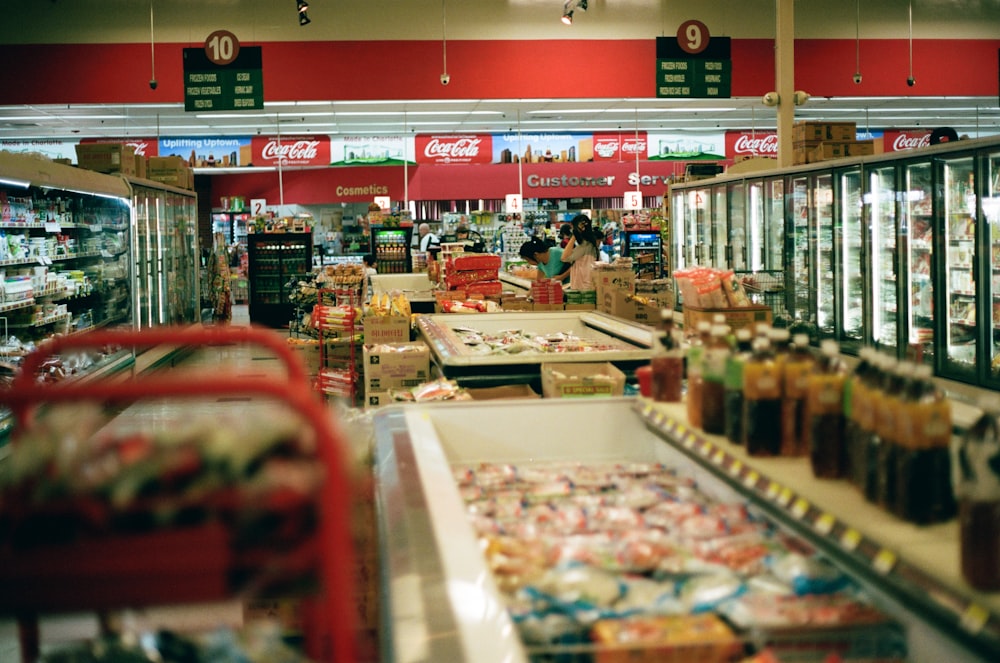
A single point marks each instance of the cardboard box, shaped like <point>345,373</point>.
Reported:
<point>106,157</point>
<point>387,366</point>
<point>379,398</point>
<point>622,305</point>
<point>613,278</point>
<point>547,307</point>
<point>582,380</point>
<point>579,307</point>
<point>824,131</point>
<point>736,318</point>
<point>386,329</point>
<point>515,304</point>
<point>501,393</point>
<point>140,166</point>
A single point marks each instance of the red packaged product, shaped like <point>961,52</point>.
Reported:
<point>487,288</point>
<point>474,261</point>
<point>458,279</point>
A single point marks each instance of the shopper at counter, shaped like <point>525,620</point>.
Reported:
<point>582,250</point>
<point>546,259</point>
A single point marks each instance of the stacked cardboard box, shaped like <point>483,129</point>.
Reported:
<point>107,157</point>
<point>818,141</point>
<point>546,295</point>
<point>171,170</point>
<point>393,366</point>
<point>474,274</point>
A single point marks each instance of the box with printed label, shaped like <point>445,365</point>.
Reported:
<point>386,329</point>
<point>580,380</point>
<point>613,278</point>
<point>624,305</point>
<point>395,366</point>
<point>106,157</point>
<point>823,131</point>
<point>379,398</point>
<point>736,318</point>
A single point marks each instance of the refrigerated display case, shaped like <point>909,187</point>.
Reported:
<point>799,284</point>
<point>718,241</point>
<point>824,265</point>
<point>961,297</point>
<point>167,257</point>
<point>277,261</point>
<point>916,306</point>
<point>991,215</point>
<point>391,247</point>
<point>437,583</point>
<point>232,225</point>
<point>645,248</point>
<point>850,255</point>
<point>740,247</point>
<point>885,288</point>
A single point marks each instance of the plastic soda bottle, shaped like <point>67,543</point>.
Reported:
<point>695,364</point>
<point>733,386</point>
<point>825,407</point>
<point>713,406</point>
<point>794,426</point>
<point>762,401</point>
<point>978,492</point>
<point>855,399</point>
<point>887,420</point>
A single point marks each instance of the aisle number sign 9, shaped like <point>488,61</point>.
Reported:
<point>514,203</point>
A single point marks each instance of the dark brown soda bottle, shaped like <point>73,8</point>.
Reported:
<point>762,402</point>
<point>825,409</point>
<point>733,385</point>
<point>713,404</point>
<point>978,494</point>
<point>795,372</point>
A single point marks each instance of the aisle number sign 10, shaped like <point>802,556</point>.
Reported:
<point>693,64</point>
<point>222,76</point>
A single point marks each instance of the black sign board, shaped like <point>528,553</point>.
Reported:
<point>236,86</point>
<point>681,74</point>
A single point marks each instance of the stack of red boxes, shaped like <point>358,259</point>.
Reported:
<point>477,274</point>
<point>547,294</point>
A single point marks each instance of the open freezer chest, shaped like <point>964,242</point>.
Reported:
<point>570,531</point>
<point>505,348</point>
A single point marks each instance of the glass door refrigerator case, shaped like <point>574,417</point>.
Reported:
<point>991,215</point>
<point>824,272</point>
<point>960,293</point>
<point>391,247</point>
<point>886,304</point>
<point>850,239</point>
<point>719,247</point>
<point>799,283</point>
<point>645,249</point>
<point>740,246</point>
<point>917,239</point>
<point>277,261</point>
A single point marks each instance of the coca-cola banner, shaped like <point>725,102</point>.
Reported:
<point>744,144</point>
<point>290,150</point>
<point>460,149</point>
<point>907,139</point>
<point>144,147</point>
<point>622,146</point>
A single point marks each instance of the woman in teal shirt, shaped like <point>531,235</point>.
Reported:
<point>547,259</point>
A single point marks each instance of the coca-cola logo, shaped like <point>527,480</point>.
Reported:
<point>634,147</point>
<point>746,144</point>
<point>910,142</point>
<point>606,149</point>
<point>299,150</point>
<point>459,148</point>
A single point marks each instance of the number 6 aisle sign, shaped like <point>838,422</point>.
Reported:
<point>258,206</point>
<point>633,200</point>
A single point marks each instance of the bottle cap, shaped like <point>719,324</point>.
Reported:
<point>666,314</point>
<point>829,347</point>
<point>719,330</point>
<point>704,326</point>
<point>743,334</point>
<point>719,319</point>
<point>922,371</point>
<point>779,335</point>
<point>801,340</point>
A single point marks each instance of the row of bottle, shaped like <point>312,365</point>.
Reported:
<point>886,426</point>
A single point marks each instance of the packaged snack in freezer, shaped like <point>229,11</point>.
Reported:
<point>649,639</point>
<point>643,595</point>
<point>808,574</point>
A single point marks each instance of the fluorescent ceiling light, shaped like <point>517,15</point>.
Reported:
<point>10,181</point>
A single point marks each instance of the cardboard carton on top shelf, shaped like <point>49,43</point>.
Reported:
<point>824,131</point>
<point>106,157</point>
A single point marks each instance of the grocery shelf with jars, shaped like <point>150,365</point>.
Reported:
<point>894,251</point>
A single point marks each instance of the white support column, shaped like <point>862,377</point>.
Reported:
<point>784,77</point>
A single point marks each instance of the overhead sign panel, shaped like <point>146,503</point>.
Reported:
<point>226,79</point>
<point>693,65</point>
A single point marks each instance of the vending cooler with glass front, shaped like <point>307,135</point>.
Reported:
<point>645,248</point>
<point>277,261</point>
<point>391,248</point>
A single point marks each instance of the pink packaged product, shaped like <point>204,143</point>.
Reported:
<point>462,263</point>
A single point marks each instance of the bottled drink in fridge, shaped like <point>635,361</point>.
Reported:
<point>733,386</point>
<point>695,363</point>
<point>713,408</point>
<point>796,368</point>
<point>668,368</point>
<point>825,408</point>
<point>978,493</point>
<point>762,401</point>
<point>923,463</point>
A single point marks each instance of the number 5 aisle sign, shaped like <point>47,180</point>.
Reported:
<point>222,76</point>
<point>693,65</point>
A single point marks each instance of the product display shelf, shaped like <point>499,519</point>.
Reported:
<point>338,346</point>
<point>184,564</point>
<point>919,565</point>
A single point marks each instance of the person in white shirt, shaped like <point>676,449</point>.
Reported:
<point>427,238</point>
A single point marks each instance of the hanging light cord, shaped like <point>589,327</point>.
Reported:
<point>910,10</point>
<point>857,39</point>
<point>152,46</point>
<point>444,41</point>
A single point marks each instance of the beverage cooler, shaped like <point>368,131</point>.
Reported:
<point>391,247</point>
<point>277,261</point>
<point>232,225</point>
<point>645,248</point>
<point>897,251</point>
